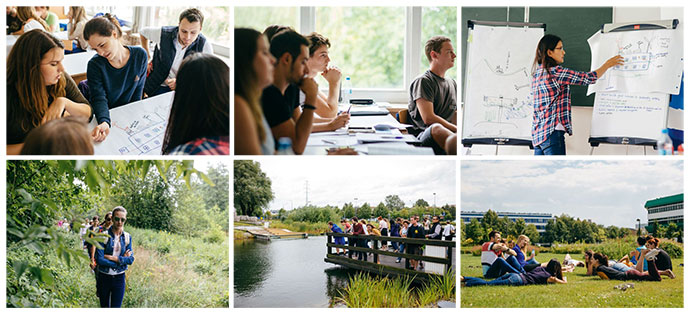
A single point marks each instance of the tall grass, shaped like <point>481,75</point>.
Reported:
<point>169,270</point>
<point>368,291</point>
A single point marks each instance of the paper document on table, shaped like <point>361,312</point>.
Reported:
<point>375,137</point>
<point>395,149</point>
<point>137,128</point>
<point>653,61</point>
<point>331,141</point>
<point>361,122</point>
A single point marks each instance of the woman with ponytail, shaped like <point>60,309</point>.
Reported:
<point>116,75</point>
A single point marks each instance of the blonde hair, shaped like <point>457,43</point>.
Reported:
<point>77,14</point>
<point>26,13</point>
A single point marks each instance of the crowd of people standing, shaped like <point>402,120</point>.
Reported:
<point>414,228</point>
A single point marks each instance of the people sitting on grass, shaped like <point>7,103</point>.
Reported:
<point>338,240</point>
<point>633,257</point>
<point>663,260</point>
<point>493,263</point>
<point>527,262</point>
<point>599,265</point>
<point>551,273</point>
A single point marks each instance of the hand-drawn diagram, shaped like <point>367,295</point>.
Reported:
<point>137,128</point>
<point>498,101</point>
<point>144,135</point>
<point>653,61</point>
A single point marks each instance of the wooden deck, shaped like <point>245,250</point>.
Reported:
<point>383,262</point>
<point>269,234</point>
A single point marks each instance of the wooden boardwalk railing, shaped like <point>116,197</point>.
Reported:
<point>383,261</point>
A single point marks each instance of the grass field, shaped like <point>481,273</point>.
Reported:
<point>581,290</point>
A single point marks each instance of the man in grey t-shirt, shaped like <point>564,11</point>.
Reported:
<point>433,98</point>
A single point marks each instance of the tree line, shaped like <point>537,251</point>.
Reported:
<point>253,192</point>
<point>561,229</point>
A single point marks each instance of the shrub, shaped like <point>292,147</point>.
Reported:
<point>673,249</point>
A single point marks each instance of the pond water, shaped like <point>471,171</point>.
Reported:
<point>286,273</point>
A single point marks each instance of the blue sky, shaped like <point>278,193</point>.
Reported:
<point>336,181</point>
<point>607,192</point>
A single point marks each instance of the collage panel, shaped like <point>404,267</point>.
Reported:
<point>117,233</point>
<point>128,80</point>
<point>376,238</point>
<point>572,233</point>
<point>360,80</point>
<point>605,80</point>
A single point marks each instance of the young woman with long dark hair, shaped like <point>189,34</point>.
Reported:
<point>253,72</point>
<point>38,88</point>
<point>199,122</point>
<point>551,94</point>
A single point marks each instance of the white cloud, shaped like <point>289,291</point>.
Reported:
<point>335,181</point>
<point>608,192</point>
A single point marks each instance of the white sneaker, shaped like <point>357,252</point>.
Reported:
<point>651,255</point>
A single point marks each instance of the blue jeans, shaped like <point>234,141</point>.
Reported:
<point>509,279</point>
<point>401,249</point>
<point>554,144</point>
<point>502,266</point>
<point>111,289</point>
<point>532,261</point>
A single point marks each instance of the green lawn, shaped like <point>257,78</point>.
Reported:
<point>581,290</point>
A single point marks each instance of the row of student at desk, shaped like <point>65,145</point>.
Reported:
<point>40,93</point>
<point>277,97</point>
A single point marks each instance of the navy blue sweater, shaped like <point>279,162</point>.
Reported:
<point>110,87</point>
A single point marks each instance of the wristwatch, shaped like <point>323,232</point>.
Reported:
<point>308,106</point>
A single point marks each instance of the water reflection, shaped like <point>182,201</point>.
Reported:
<point>286,273</point>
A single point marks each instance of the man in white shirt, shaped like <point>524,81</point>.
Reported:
<point>173,44</point>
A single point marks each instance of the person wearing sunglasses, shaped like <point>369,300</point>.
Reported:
<point>113,261</point>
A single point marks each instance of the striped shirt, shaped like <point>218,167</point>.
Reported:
<point>551,99</point>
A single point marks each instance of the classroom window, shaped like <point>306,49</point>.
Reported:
<point>259,18</point>
<point>366,43</point>
<point>369,44</point>
<point>123,13</point>
<point>440,21</point>
<point>216,23</point>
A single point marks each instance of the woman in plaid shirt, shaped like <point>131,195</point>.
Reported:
<point>551,94</point>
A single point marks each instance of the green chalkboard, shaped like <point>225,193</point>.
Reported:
<point>499,14</point>
<point>574,25</point>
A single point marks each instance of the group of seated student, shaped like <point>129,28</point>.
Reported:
<point>40,91</point>
<point>652,263</point>
<point>277,97</point>
<point>23,19</point>
<point>508,266</point>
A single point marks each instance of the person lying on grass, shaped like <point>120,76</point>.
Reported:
<point>663,260</point>
<point>551,273</point>
<point>599,265</point>
<point>591,270</point>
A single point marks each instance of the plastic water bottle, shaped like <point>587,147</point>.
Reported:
<point>346,91</point>
<point>664,144</point>
<point>285,146</point>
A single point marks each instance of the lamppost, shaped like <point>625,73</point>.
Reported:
<point>639,233</point>
<point>434,203</point>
